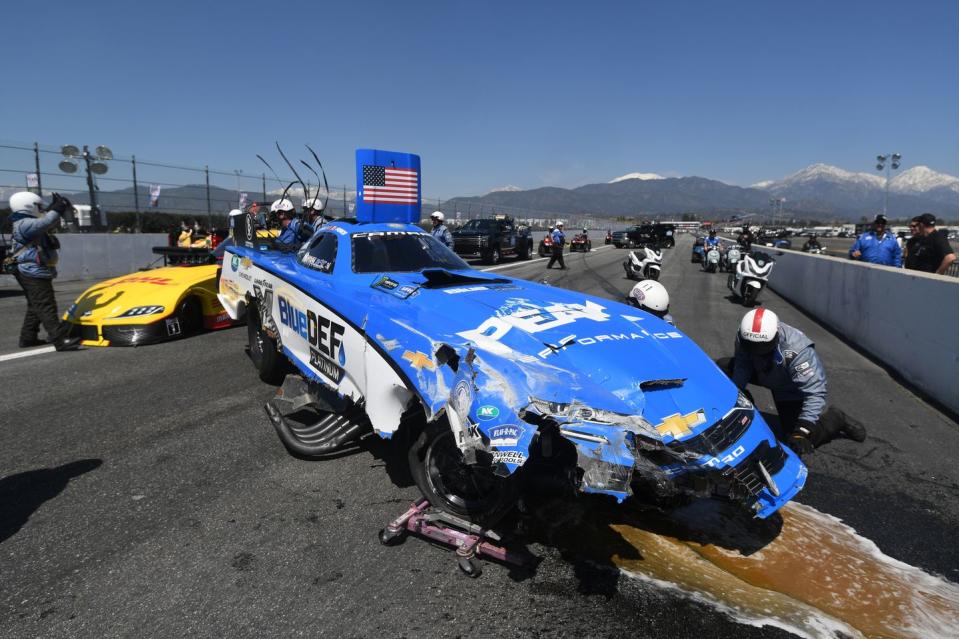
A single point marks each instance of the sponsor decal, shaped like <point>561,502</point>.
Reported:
<point>405,291</point>
<point>532,318</point>
<point>235,263</point>
<point>611,337</point>
<point>324,336</point>
<point>173,326</point>
<point>464,289</point>
<point>803,366</point>
<point>386,282</point>
<point>487,412</point>
<point>506,435</point>
<point>246,262</point>
<point>726,459</point>
<point>514,457</point>
<point>419,360</point>
<point>679,425</point>
<point>143,279</point>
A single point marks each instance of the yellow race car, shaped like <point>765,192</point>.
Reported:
<point>152,306</point>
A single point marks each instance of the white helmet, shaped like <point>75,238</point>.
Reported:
<point>559,224</point>
<point>759,331</point>
<point>26,201</point>
<point>314,202</point>
<point>437,215</point>
<point>235,212</point>
<point>281,206</point>
<point>651,296</point>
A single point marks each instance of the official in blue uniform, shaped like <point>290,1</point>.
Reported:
<point>877,246</point>
<point>781,358</point>
<point>559,241</point>
<point>440,231</point>
<point>712,241</point>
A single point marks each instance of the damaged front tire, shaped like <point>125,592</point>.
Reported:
<point>449,483</point>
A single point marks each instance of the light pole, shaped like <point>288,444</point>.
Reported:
<point>888,162</point>
<point>777,206</point>
<point>95,166</point>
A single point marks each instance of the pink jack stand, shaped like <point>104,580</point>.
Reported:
<point>468,538</point>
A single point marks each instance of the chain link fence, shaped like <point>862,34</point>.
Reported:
<point>137,194</point>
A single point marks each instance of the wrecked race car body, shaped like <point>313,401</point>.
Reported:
<point>487,379</point>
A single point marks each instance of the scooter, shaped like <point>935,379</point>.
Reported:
<point>643,264</point>
<point>732,258</point>
<point>711,260</point>
<point>751,277</point>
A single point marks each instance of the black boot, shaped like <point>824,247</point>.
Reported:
<point>67,343</point>
<point>853,429</point>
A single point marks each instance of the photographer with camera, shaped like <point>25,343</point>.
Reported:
<point>33,261</point>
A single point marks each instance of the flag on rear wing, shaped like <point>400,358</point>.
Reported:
<point>388,186</point>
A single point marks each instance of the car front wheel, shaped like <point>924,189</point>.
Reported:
<point>450,484</point>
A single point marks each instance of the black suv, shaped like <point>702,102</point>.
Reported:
<point>644,235</point>
<point>492,239</point>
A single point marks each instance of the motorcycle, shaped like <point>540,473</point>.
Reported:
<point>732,258</point>
<point>750,277</point>
<point>643,264</point>
<point>711,260</point>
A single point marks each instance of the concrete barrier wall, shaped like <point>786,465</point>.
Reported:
<point>86,256</point>
<point>907,320</point>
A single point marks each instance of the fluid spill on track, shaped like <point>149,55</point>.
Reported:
<point>812,575</point>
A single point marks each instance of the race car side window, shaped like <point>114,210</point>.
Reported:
<point>321,253</point>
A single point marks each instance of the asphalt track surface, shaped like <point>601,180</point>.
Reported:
<point>144,493</point>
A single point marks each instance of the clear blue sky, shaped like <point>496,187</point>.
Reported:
<point>493,93</point>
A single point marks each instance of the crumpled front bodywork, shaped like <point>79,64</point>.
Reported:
<point>622,386</point>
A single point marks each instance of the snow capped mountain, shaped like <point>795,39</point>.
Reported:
<point>509,188</point>
<point>920,179</point>
<point>827,173</point>
<point>637,176</point>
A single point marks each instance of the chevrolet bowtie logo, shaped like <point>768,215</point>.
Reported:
<point>678,425</point>
<point>418,360</point>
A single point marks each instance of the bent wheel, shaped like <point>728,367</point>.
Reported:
<point>450,484</point>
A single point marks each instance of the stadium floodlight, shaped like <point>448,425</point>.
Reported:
<point>95,166</point>
<point>104,153</point>
<point>98,167</point>
<point>68,166</point>
<point>69,151</point>
<point>892,165</point>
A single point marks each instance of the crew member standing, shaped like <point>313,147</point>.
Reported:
<point>877,246</point>
<point>559,241</point>
<point>440,231</point>
<point>35,251</point>
<point>928,249</point>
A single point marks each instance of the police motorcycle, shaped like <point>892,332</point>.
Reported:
<point>750,277</point>
<point>711,259</point>
<point>731,258</point>
<point>643,264</point>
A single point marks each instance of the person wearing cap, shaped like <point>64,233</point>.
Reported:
<point>440,231</point>
<point>781,358</point>
<point>928,249</point>
<point>877,245</point>
<point>558,239</point>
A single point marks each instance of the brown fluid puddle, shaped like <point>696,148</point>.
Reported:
<point>815,576</point>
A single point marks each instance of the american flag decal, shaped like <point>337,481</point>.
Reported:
<point>389,185</point>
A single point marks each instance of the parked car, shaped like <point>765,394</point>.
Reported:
<point>492,239</point>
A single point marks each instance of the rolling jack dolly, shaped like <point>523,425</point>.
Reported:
<point>469,539</point>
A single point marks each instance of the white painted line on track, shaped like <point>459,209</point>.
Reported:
<point>540,259</point>
<point>30,353</point>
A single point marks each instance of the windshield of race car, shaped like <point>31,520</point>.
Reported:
<point>381,252</point>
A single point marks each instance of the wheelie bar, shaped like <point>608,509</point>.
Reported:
<point>468,539</point>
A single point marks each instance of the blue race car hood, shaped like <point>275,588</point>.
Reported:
<point>553,345</point>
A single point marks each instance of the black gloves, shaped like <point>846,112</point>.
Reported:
<point>800,444</point>
<point>60,204</point>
